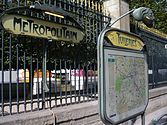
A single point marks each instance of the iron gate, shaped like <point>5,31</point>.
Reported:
<point>157,54</point>
<point>71,69</point>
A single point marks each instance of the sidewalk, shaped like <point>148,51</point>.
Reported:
<point>152,116</point>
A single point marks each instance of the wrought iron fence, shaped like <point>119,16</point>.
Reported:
<point>71,75</point>
<point>157,54</point>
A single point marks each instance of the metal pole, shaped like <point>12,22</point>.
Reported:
<point>143,119</point>
<point>44,78</point>
<point>152,61</point>
<point>113,22</point>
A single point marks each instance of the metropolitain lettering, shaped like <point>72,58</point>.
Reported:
<point>29,26</point>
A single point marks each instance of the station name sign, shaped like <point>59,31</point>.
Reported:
<point>18,24</point>
<point>124,40</point>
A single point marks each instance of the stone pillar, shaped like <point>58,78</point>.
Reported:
<point>116,8</point>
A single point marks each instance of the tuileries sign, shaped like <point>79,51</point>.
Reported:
<point>124,40</point>
<point>18,24</point>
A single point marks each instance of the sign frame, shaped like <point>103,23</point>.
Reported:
<point>101,73</point>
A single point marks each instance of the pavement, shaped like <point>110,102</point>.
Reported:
<point>36,104</point>
<point>151,117</point>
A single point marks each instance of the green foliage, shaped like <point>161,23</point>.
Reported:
<point>159,7</point>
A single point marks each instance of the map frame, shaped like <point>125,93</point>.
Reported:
<point>126,53</point>
<point>117,39</point>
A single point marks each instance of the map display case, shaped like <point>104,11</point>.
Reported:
<point>123,77</point>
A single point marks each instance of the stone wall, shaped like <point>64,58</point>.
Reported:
<point>116,8</point>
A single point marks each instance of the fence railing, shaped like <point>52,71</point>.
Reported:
<point>67,83</point>
<point>157,54</point>
<point>71,75</point>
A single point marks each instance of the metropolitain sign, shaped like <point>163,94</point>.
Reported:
<point>19,24</point>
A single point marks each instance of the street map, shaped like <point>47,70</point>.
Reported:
<point>126,92</point>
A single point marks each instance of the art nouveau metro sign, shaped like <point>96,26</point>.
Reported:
<point>124,40</point>
<point>18,24</point>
